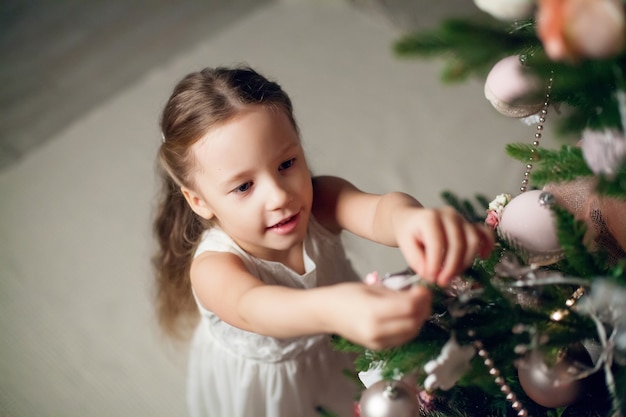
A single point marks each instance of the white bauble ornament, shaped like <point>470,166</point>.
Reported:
<point>552,387</point>
<point>507,10</point>
<point>513,91</point>
<point>528,225</point>
<point>389,399</point>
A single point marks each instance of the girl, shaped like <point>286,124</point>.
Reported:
<point>251,240</point>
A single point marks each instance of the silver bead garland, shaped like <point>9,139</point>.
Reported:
<point>538,134</point>
<point>499,380</point>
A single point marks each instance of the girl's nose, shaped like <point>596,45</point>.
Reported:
<point>278,196</point>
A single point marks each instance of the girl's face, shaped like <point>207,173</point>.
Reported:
<point>253,180</point>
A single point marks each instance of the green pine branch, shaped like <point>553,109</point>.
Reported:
<point>467,209</point>
<point>551,166</point>
<point>566,164</point>
<point>471,47</point>
<point>578,260</point>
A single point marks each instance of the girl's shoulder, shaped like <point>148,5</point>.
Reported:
<point>216,240</point>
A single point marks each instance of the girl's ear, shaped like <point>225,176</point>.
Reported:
<point>197,203</point>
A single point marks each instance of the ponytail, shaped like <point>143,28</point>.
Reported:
<point>177,230</point>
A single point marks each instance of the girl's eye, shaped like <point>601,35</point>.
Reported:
<point>287,164</point>
<point>243,187</point>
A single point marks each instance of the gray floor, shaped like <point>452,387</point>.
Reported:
<point>61,59</point>
<point>83,84</point>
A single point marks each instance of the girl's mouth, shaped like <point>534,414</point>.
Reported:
<point>286,226</point>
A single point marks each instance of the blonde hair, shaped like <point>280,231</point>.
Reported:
<point>200,101</point>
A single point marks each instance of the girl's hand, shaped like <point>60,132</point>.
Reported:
<point>376,317</point>
<point>438,244</point>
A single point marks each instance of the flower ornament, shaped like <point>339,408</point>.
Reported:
<point>492,219</point>
<point>372,278</point>
<point>453,361</point>
<point>604,151</point>
<point>428,402</point>
<point>494,211</point>
<point>573,29</point>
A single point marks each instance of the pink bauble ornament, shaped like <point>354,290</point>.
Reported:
<point>528,225</point>
<point>389,399</point>
<point>554,386</point>
<point>513,91</point>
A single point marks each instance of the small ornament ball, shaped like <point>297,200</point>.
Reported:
<point>507,10</point>
<point>550,387</point>
<point>513,91</point>
<point>389,399</point>
<point>527,224</point>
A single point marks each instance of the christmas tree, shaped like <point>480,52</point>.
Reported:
<point>539,328</point>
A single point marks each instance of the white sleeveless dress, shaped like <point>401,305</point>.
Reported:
<point>236,373</point>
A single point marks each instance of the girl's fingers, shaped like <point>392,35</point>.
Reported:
<point>416,259</point>
<point>465,242</point>
<point>414,251</point>
<point>435,242</point>
<point>426,249</point>
<point>412,308</point>
<point>446,245</point>
<point>487,241</point>
<point>456,249</point>
<point>474,239</point>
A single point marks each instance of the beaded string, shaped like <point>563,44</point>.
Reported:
<point>499,380</point>
<point>538,134</point>
<point>482,352</point>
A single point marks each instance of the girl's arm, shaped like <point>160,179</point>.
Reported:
<point>436,243</point>
<point>374,317</point>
